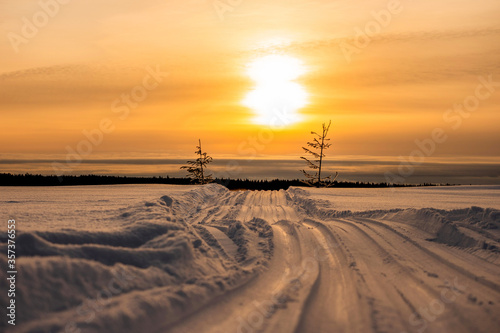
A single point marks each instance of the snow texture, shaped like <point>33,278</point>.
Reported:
<point>206,259</point>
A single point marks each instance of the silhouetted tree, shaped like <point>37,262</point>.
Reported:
<point>198,167</point>
<point>317,148</point>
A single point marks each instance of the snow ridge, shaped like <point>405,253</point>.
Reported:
<point>470,227</point>
<point>173,259</point>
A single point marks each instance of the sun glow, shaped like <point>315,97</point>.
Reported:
<point>276,97</point>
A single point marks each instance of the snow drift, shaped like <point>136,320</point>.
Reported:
<point>173,256</point>
<point>114,281</point>
<point>470,227</point>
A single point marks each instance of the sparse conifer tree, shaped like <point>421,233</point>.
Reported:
<point>197,169</point>
<point>317,148</point>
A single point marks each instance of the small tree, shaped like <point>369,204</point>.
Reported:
<point>316,148</point>
<point>198,167</point>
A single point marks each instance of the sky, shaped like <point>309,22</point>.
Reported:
<point>128,87</point>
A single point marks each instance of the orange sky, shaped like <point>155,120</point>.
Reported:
<point>66,77</point>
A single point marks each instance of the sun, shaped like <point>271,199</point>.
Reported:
<point>276,98</point>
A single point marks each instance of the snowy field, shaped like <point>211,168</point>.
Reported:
<point>78,207</point>
<point>163,258</point>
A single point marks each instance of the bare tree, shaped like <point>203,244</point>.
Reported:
<point>317,148</point>
<point>198,167</point>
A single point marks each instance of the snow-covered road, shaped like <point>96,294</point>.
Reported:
<point>213,260</point>
<point>352,274</point>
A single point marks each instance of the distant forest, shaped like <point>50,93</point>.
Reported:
<point>7,179</point>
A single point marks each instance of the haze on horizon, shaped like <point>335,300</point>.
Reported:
<point>381,97</point>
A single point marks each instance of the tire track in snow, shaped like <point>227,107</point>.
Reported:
<point>283,285</point>
<point>397,288</point>
<point>227,244</point>
<point>331,305</point>
<point>413,256</point>
<point>490,284</point>
<point>267,302</point>
<point>365,276</point>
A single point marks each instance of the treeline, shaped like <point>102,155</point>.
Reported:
<point>7,179</point>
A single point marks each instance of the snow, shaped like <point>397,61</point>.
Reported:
<point>442,197</point>
<point>76,207</point>
<point>135,258</point>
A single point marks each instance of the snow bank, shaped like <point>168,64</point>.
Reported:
<point>170,256</point>
<point>155,267</point>
<point>473,227</point>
